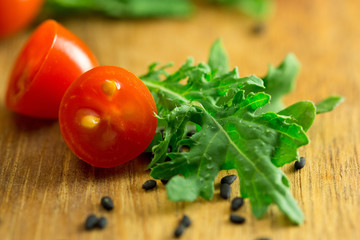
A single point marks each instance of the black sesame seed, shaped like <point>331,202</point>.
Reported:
<point>225,190</point>
<point>237,219</point>
<point>102,222</point>
<point>185,221</point>
<point>263,238</point>
<point>190,133</point>
<point>179,230</point>
<point>162,133</point>
<point>228,179</point>
<point>164,181</point>
<point>149,184</point>
<point>91,222</point>
<point>107,203</point>
<point>300,164</point>
<point>258,29</point>
<point>236,203</point>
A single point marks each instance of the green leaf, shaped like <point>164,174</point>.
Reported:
<point>230,132</point>
<point>121,8</point>
<point>231,139</point>
<point>148,9</point>
<point>303,113</point>
<point>237,127</point>
<point>218,60</point>
<point>280,81</point>
<point>329,104</point>
<point>202,84</point>
<point>180,189</point>
<point>255,8</point>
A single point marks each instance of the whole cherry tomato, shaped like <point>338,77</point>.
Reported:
<point>107,116</point>
<point>51,60</point>
<point>17,14</point>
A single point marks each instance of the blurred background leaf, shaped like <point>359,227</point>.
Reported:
<point>151,8</point>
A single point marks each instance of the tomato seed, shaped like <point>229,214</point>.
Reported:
<point>102,222</point>
<point>149,184</point>
<point>185,221</point>
<point>228,179</point>
<point>107,203</point>
<point>300,164</point>
<point>225,190</point>
<point>236,203</point>
<point>237,219</point>
<point>91,222</point>
<point>90,121</point>
<point>109,87</point>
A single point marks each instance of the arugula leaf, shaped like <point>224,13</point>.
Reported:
<point>232,139</point>
<point>218,59</point>
<point>255,8</point>
<point>122,8</point>
<point>329,104</point>
<point>280,81</point>
<point>232,133</point>
<point>171,92</point>
<point>146,8</point>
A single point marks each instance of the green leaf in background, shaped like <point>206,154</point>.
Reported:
<point>149,8</point>
<point>329,104</point>
<point>256,8</point>
<point>122,8</point>
<point>233,130</point>
<point>259,9</point>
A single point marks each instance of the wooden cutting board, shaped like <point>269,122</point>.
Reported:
<point>46,192</point>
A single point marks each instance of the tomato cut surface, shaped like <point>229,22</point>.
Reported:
<point>107,116</point>
<point>50,61</point>
<point>17,14</point>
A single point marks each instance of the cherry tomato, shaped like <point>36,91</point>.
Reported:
<point>17,14</point>
<point>50,61</point>
<point>107,116</point>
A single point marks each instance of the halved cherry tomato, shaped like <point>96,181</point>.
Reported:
<point>107,116</point>
<point>17,14</point>
<point>51,60</point>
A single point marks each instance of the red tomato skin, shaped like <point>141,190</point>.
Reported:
<point>127,118</point>
<point>15,15</point>
<point>50,61</point>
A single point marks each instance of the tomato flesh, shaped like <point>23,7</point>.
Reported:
<point>50,61</point>
<point>17,14</point>
<point>107,116</point>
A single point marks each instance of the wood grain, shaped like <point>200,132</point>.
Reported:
<point>46,192</point>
